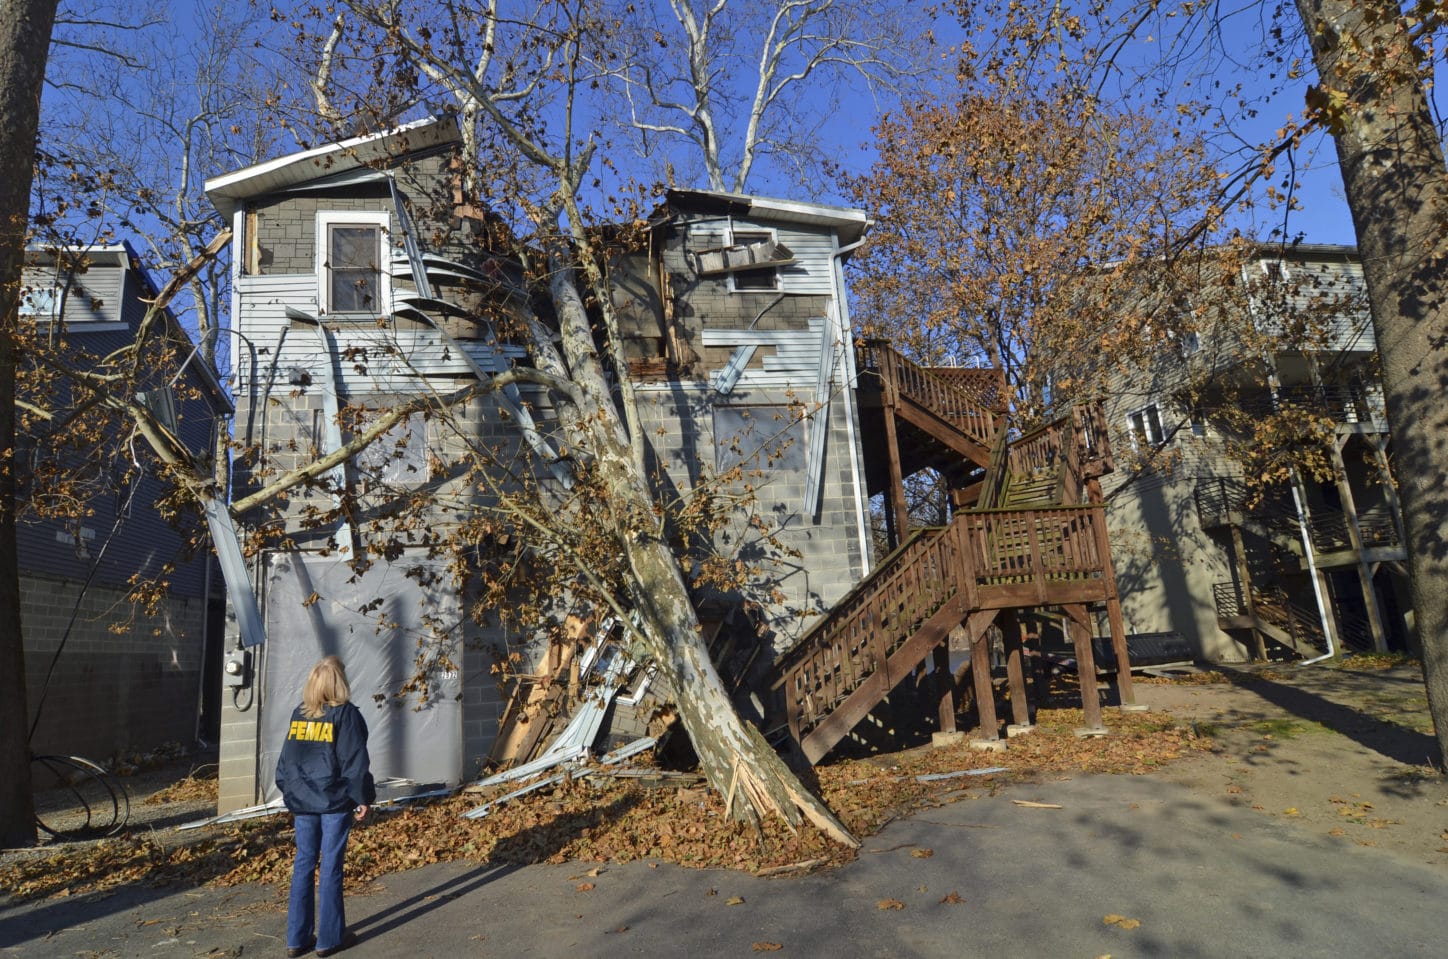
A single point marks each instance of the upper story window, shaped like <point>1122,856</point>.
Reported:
<point>41,302</point>
<point>1146,426</point>
<point>351,263</point>
<point>764,278</point>
<point>751,260</point>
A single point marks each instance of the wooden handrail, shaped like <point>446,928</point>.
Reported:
<point>978,551</point>
<point>902,377</point>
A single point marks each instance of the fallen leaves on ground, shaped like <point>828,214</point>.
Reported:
<point>767,947</point>
<point>1374,662</point>
<point>1121,921</point>
<point>952,898</point>
<point>890,904</point>
<point>190,789</point>
<point>608,820</point>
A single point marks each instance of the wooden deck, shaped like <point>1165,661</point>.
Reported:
<point>1049,551</point>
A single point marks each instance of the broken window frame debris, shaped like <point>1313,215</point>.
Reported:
<point>751,261</point>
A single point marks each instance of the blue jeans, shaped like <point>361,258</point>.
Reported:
<point>323,837</point>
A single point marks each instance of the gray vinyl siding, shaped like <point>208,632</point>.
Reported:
<point>397,356</point>
<point>140,541</point>
<point>782,358</point>
<point>1313,283</point>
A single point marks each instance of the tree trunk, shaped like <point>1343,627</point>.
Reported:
<point>1373,101</point>
<point>25,27</point>
<point>732,754</point>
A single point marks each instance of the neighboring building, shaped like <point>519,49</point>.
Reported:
<point>359,282</point>
<point>103,677</point>
<point>1242,576</point>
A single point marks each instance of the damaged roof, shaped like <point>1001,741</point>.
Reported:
<point>227,191</point>
<point>849,223</point>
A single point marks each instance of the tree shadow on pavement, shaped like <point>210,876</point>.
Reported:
<point>1389,739</point>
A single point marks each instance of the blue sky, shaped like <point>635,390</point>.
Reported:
<point>848,136</point>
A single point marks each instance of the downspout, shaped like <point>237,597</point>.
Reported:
<point>851,383</point>
<point>1306,532</point>
<point>1312,573</point>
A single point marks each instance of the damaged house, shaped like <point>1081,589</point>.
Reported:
<point>360,288</point>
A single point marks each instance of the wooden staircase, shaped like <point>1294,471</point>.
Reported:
<point>1025,541</point>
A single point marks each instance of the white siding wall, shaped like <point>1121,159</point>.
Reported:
<point>370,359</point>
<point>791,357</point>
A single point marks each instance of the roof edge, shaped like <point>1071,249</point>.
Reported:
<point>227,190</point>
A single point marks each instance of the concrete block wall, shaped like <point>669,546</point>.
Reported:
<point>286,226</point>
<point>238,777</point>
<point>831,559</point>
<point>110,691</point>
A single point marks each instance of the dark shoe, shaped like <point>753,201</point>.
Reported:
<point>349,939</point>
<point>294,951</point>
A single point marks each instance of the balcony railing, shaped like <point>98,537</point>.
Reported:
<point>1330,532</point>
<point>965,399</point>
<point>1275,606</point>
<point>1344,404</point>
<point>1217,499</point>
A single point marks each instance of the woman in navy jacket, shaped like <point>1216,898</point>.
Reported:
<point>326,781</point>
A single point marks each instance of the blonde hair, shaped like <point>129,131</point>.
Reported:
<point>326,686</point>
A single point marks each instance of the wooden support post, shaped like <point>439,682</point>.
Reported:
<point>1244,577</point>
<point>984,691</point>
<point>1355,537</point>
<point>1015,671</point>
<point>1086,669</point>
<point>1390,490</point>
<point>945,687</point>
<point>896,508</point>
<point>1125,692</point>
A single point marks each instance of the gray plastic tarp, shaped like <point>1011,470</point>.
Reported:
<point>314,608</point>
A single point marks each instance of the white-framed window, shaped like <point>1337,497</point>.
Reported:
<point>1145,425</point>
<point>1198,423</point>
<point>41,302</point>
<point>1276,271</point>
<point>766,278</point>
<point>352,253</point>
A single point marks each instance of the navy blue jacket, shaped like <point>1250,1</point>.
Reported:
<point>323,766</point>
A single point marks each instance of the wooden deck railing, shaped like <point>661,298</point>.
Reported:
<point>1078,441</point>
<point>913,382</point>
<point>993,551</point>
<point>1275,606</point>
<point>1050,545</point>
<point>872,621</point>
